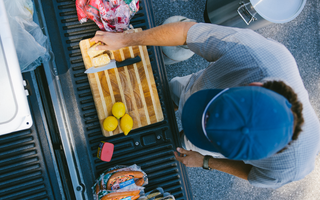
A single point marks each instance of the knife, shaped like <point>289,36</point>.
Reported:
<point>113,64</point>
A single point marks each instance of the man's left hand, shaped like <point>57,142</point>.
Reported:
<point>189,158</point>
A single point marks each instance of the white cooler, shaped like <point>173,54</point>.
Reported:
<point>253,14</point>
<point>14,109</point>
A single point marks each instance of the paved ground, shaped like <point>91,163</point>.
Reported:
<point>301,37</point>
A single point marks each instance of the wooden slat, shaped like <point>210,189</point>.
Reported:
<point>133,85</point>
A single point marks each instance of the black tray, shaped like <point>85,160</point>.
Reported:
<point>150,147</point>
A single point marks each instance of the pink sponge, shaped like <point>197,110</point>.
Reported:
<point>105,151</point>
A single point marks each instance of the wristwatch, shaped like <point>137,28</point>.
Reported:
<point>206,162</point>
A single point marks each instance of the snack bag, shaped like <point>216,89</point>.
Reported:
<point>126,195</point>
<point>120,179</point>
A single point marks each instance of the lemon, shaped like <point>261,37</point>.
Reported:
<point>118,110</point>
<point>126,124</point>
<point>110,123</point>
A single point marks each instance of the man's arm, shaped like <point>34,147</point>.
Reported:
<point>172,34</point>
<point>195,159</point>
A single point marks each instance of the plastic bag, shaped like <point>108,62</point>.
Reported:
<point>157,194</point>
<point>109,15</point>
<point>119,179</point>
<point>28,38</point>
<point>122,195</point>
<point>81,12</point>
<point>89,9</point>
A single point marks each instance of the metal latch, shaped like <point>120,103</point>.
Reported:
<point>27,87</point>
<point>247,12</point>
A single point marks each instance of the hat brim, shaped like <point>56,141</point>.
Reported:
<point>191,118</point>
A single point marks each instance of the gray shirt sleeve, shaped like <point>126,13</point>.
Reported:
<point>212,41</point>
<point>273,172</point>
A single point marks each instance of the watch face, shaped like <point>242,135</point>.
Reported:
<point>206,162</point>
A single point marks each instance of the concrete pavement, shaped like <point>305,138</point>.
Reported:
<point>301,37</point>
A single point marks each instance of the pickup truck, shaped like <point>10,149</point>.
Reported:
<point>57,157</point>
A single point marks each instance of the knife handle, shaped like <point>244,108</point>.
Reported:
<point>129,61</point>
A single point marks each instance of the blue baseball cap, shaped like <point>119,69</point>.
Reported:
<point>241,123</point>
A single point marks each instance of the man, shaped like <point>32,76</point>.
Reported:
<point>248,113</point>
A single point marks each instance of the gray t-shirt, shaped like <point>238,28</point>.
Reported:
<point>239,57</point>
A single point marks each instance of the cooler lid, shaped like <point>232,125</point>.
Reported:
<point>14,109</point>
<point>8,102</point>
<point>278,11</point>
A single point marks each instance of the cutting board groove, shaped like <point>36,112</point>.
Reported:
<point>134,85</point>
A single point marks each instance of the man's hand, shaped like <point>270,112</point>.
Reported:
<point>195,159</point>
<point>189,158</point>
<point>112,41</point>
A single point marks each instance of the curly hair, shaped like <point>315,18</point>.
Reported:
<point>283,89</point>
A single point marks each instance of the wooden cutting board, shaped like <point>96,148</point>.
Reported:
<point>133,85</point>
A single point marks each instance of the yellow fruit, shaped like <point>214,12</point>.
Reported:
<point>118,110</point>
<point>126,124</point>
<point>110,123</point>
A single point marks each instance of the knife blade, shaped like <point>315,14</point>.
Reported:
<point>113,64</point>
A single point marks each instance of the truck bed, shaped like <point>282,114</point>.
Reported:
<point>56,158</point>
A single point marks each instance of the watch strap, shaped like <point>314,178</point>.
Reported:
<point>206,162</point>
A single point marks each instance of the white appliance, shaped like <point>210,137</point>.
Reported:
<point>278,11</point>
<point>14,109</point>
